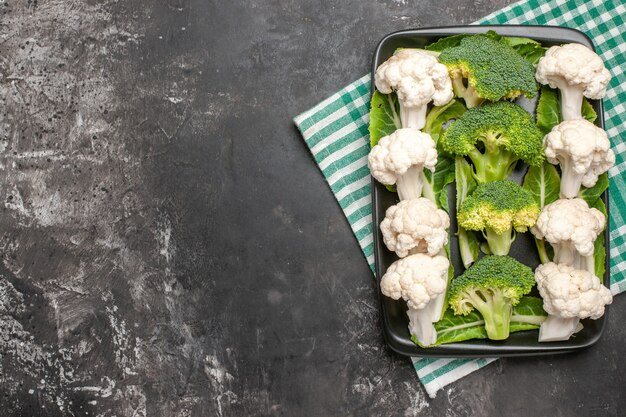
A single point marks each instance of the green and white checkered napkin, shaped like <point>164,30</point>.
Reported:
<point>336,132</point>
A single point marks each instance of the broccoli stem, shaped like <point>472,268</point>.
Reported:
<point>414,117</point>
<point>570,179</point>
<point>494,164</point>
<point>484,247</point>
<point>496,310</point>
<point>499,244</point>
<point>467,93</point>
<point>571,102</point>
<point>409,185</point>
<point>556,328</point>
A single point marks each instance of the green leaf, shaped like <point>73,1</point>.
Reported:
<point>444,170</point>
<point>599,250</point>
<point>599,257</point>
<point>465,184</point>
<point>549,110</point>
<point>450,278</point>
<point>528,314</point>
<point>545,250</point>
<point>447,42</point>
<point>493,35</point>
<point>452,328</point>
<point>384,116</point>
<point>439,180</point>
<point>455,40</point>
<point>531,52</point>
<point>438,116</point>
<point>528,48</point>
<point>588,112</point>
<point>384,119</point>
<point>514,41</point>
<point>520,327</point>
<point>591,195</point>
<point>598,204</point>
<point>543,182</point>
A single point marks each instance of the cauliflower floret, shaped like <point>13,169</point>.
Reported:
<point>569,295</point>
<point>571,227</point>
<point>568,292</point>
<point>415,226</point>
<point>417,279</point>
<point>400,159</point>
<point>584,152</point>
<point>576,71</point>
<point>420,280</point>
<point>417,77</point>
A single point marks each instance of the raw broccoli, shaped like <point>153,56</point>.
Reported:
<point>483,68</point>
<point>495,136</point>
<point>499,209</point>
<point>492,285</point>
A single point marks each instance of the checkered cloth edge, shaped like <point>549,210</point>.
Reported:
<point>336,132</point>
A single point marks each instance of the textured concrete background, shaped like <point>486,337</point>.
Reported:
<point>169,247</point>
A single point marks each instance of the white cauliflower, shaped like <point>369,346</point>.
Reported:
<point>571,227</point>
<point>415,226</point>
<point>420,280</point>
<point>400,159</point>
<point>584,152</point>
<point>569,295</point>
<point>418,78</point>
<point>576,71</point>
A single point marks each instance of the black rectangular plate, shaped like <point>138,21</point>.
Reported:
<point>395,320</point>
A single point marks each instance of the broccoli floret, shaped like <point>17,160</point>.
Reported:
<point>492,285</point>
<point>495,136</point>
<point>499,209</point>
<point>482,68</point>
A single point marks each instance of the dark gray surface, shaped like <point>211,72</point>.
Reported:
<point>170,249</point>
